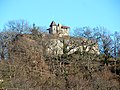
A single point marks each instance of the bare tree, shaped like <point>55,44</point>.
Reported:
<point>88,43</point>
<point>116,47</point>
<point>11,29</point>
<point>5,38</point>
<point>85,32</point>
<point>18,26</point>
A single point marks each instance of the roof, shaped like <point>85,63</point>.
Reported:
<point>65,27</point>
<point>49,29</point>
<point>52,24</point>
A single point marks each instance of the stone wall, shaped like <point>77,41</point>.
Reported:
<point>55,46</point>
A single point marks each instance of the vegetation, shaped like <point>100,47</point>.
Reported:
<point>25,64</point>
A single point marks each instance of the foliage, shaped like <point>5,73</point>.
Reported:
<point>26,65</point>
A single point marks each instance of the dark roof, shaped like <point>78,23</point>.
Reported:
<point>48,28</point>
<point>52,24</point>
<point>65,27</point>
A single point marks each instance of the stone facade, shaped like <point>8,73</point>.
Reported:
<point>55,47</point>
<point>59,29</point>
<point>82,45</point>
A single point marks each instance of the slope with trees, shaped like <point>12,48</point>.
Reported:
<point>25,64</point>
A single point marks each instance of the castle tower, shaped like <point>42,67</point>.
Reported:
<point>59,29</point>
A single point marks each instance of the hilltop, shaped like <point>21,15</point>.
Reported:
<point>31,67</point>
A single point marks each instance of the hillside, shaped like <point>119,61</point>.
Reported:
<point>30,68</point>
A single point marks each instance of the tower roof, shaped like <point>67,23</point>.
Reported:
<point>52,24</point>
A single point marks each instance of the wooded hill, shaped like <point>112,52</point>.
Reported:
<point>25,64</point>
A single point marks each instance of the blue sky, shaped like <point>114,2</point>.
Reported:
<point>73,13</point>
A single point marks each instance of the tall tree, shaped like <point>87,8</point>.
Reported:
<point>100,36</point>
<point>88,43</point>
<point>18,26</point>
<point>5,38</point>
<point>105,43</point>
<point>11,29</point>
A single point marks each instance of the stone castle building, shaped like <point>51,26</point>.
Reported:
<point>58,29</point>
<point>61,36</point>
